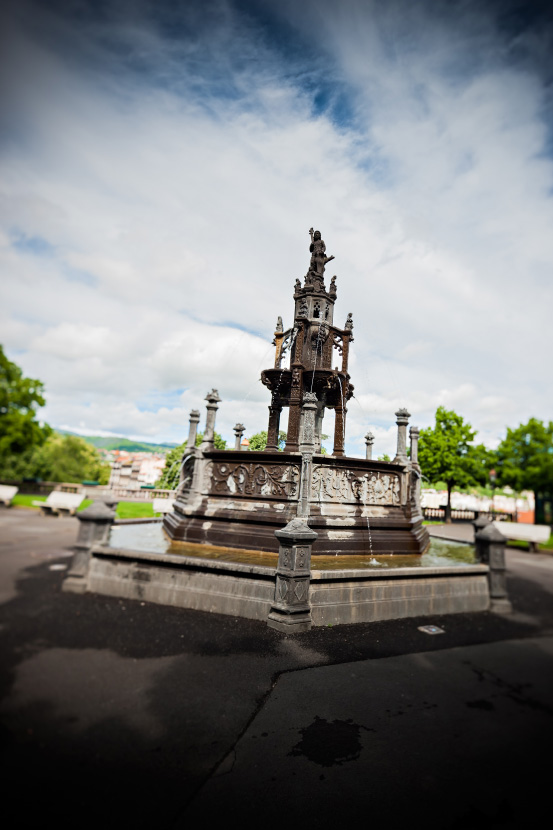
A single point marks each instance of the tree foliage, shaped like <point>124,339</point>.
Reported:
<point>68,458</point>
<point>524,458</point>
<point>258,441</point>
<point>447,453</point>
<point>20,431</point>
<point>169,479</point>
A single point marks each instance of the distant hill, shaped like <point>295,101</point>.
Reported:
<point>114,442</point>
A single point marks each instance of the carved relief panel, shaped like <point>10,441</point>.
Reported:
<point>278,480</point>
<point>330,484</point>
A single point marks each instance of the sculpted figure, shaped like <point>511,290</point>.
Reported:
<point>318,253</point>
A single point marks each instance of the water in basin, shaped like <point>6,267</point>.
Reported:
<point>151,537</point>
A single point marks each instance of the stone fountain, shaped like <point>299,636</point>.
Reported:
<point>322,526</point>
<point>357,506</point>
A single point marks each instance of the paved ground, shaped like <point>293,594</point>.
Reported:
<point>116,713</point>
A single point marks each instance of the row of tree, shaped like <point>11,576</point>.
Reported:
<point>31,449</point>
<point>523,460</point>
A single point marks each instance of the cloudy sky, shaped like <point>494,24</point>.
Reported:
<point>162,163</point>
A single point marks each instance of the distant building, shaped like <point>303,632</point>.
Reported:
<point>135,469</point>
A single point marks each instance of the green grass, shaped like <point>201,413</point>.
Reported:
<point>125,509</point>
<point>135,510</point>
<point>432,522</point>
<point>518,543</point>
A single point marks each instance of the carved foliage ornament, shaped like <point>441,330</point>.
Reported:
<point>280,480</point>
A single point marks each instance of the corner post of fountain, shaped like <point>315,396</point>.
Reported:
<point>490,550</point>
<point>94,525</point>
<point>369,441</point>
<point>291,609</point>
<point>275,410</point>
<point>239,430</point>
<point>193,422</point>
<point>402,419</point>
<point>415,470</point>
<point>212,399</point>
<point>414,433</point>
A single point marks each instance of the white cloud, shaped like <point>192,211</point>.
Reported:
<point>148,215</point>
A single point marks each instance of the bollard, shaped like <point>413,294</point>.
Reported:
<point>94,526</point>
<point>291,610</point>
<point>490,550</point>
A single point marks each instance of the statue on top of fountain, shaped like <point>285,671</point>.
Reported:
<point>318,257</point>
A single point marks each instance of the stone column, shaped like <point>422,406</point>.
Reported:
<point>490,550</point>
<point>307,448</point>
<point>402,416</point>
<point>273,427</point>
<point>238,432</point>
<point>212,399</point>
<point>319,426</point>
<point>291,610</point>
<point>294,415</point>
<point>94,526</point>
<point>369,441</point>
<point>339,429</point>
<point>193,429</point>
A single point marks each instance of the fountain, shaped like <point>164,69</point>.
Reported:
<point>297,538</point>
<point>357,506</point>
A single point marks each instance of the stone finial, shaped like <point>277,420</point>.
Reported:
<point>349,322</point>
<point>279,325</point>
<point>369,441</point>
<point>402,419</point>
<point>332,287</point>
<point>213,397</point>
<point>239,430</point>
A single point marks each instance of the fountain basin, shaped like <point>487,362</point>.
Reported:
<point>242,583</point>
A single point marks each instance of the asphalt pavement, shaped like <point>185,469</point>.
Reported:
<point>118,713</point>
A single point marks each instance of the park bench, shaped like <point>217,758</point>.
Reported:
<point>60,502</point>
<point>533,534</point>
<point>7,492</point>
<point>163,505</point>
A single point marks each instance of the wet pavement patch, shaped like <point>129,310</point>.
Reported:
<point>329,743</point>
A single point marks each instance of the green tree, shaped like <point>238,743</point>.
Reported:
<point>20,432</point>
<point>259,440</point>
<point>447,453</point>
<point>524,459</point>
<point>169,479</point>
<point>68,458</point>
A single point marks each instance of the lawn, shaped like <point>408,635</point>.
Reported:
<point>125,509</point>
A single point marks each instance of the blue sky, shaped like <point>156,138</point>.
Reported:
<point>162,163</point>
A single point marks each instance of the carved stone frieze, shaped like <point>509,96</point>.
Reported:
<point>279,480</point>
<point>330,484</point>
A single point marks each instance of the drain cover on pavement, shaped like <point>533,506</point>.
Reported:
<point>431,629</point>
